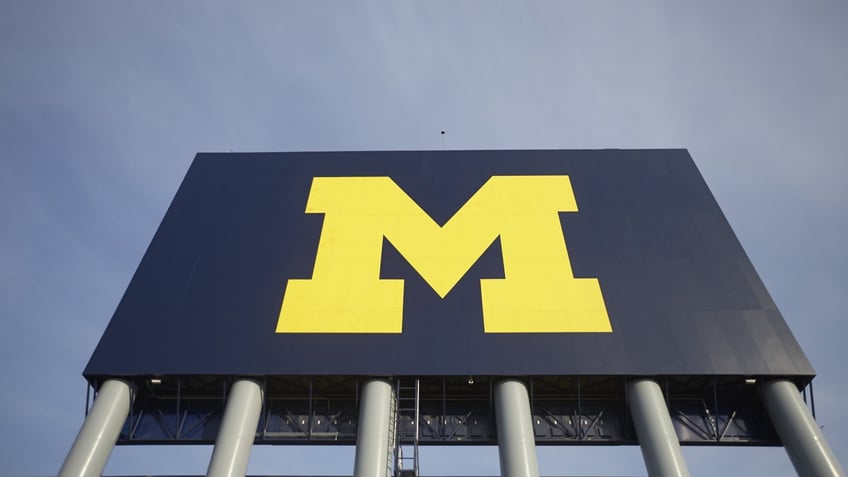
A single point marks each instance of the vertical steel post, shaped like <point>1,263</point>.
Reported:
<point>372,430</point>
<point>238,430</point>
<point>657,439</point>
<point>801,436</point>
<point>516,440</point>
<point>99,432</point>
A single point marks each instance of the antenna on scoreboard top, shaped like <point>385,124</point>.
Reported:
<point>443,139</point>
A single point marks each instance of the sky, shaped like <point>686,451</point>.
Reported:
<point>103,106</point>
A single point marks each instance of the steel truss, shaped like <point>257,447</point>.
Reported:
<point>583,410</point>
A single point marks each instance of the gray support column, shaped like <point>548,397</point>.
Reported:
<point>238,430</point>
<point>99,432</point>
<point>660,447</point>
<point>372,430</point>
<point>798,431</point>
<point>516,440</point>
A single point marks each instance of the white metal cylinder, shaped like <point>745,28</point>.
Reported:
<point>99,432</point>
<point>516,440</point>
<point>373,429</point>
<point>238,430</point>
<point>803,440</point>
<point>657,439</point>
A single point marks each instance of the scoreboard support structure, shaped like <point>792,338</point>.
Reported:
<point>657,439</point>
<point>516,444</point>
<point>238,430</point>
<point>800,435</point>
<point>99,432</point>
<point>374,432</point>
<point>803,440</point>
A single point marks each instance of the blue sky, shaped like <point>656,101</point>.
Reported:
<point>104,104</point>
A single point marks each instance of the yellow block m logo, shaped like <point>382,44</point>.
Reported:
<point>538,295</point>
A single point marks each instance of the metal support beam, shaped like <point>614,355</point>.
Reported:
<point>516,440</point>
<point>373,430</point>
<point>238,430</point>
<point>660,447</point>
<point>801,436</point>
<point>99,432</point>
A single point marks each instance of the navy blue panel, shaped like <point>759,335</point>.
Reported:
<point>682,296</point>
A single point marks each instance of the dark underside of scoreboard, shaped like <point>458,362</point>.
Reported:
<point>586,410</point>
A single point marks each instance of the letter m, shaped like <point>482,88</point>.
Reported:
<point>539,293</point>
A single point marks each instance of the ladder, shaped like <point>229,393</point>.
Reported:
<point>408,393</point>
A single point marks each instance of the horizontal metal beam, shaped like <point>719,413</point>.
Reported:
<point>452,412</point>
